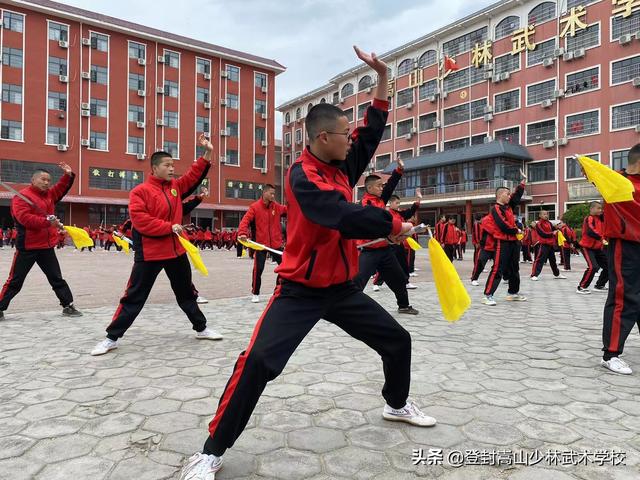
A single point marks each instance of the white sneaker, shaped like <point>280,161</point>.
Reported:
<point>255,298</point>
<point>201,300</point>
<point>604,289</point>
<point>488,300</point>
<point>583,291</point>
<point>516,297</point>
<point>104,346</point>
<point>560,277</point>
<point>376,288</point>
<point>201,467</point>
<point>411,286</point>
<point>534,279</point>
<point>616,365</point>
<point>416,269</point>
<point>410,413</point>
<point>208,334</point>
<point>413,274</point>
<point>474,283</point>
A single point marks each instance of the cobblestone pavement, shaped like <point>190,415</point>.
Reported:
<point>519,377</point>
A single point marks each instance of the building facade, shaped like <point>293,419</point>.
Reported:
<point>102,94</point>
<point>556,79</point>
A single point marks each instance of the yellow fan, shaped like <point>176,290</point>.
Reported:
<point>79,237</point>
<point>413,244</point>
<point>454,299</point>
<point>194,255</point>
<point>613,186</point>
<point>561,239</point>
<point>519,236</point>
<point>121,243</point>
<point>258,246</point>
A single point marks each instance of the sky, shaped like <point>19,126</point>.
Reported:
<point>312,38</point>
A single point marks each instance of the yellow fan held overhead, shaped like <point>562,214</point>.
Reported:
<point>613,186</point>
<point>194,255</point>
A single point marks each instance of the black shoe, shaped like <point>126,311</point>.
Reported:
<point>1,315</point>
<point>71,311</point>
<point>408,310</point>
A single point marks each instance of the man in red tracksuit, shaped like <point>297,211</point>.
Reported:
<point>450,238</point>
<point>622,309</point>
<point>592,243</point>
<point>548,240</point>
<point>155,207</point>
<point>37,235</point>
<point>502,225</point>
<point>565,250</point>
<point>487,249</point>
<point>476,234</point>
<point>265,215</point>
<point>437,233</point>
<point>316,276</point>
<point>526,245</point>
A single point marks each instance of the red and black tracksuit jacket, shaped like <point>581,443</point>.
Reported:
<point>544,229</point>
<point>267,223</point>
<point>438,230</point>
<point>592,228</point>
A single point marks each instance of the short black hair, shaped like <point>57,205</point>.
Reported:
<point>594,203</point>
<point>156,158</point>
<point>268,186</point>
<point>369,179</point>
<point>394,197</point>
<point>500,188</point>
<point>322,117</point>
<point>634,154</point>
<point>40,170</point>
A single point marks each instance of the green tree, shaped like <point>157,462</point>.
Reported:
<point>575,216</point>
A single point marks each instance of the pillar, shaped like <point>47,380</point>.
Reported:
<point>468,220</point>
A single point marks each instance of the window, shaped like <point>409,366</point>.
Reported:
<point>426,121</point>
<point>232,128</point>
<point>171,59</point>
<point>427,89</point>
<point>241,189</point>
<point>463,78</point>
<point>261,134</point>
<point>113,179</point>
<point>135,145</point>
<point>455,144</point>
<point>583,81</point>
<point>57,66</point>
<point>171,148</point>
<point>507,101</point>
<point>287,118</point>
<point>465,42</point>
<point>18,171</point>
<point>541,131</point>
<point>429,57</point>
<point>619,159</point>
<point>347,90</point>
<point>464,112</point>
<point>287,160</point>
<point>540,91</point>
<point>383,161</point>
<point>287,139</point>
<point>582,124</point>
<point>349,114</point>
<point>170,119</point>
<point>171,88</point>
<point>625,116</point>
<point>427,149</point>
<point>99,42</point>
<point>58,32</point>
<point>588,37</point>
<point>298,136</point>
<point>541,13</point>
<point>203,66</point>
<point>386,134</point>
<point>136,113</point>
<point>232,101</point>
<point>233,73</point>
<point>404,127</point>
<point>506,63</point>
<point>98,140</point>
<point>232,157</point>
<point>57,101</point>
<point>202,95</point>
<point>12,57</point>
<point>511,135</point>
<point>260,80</point>
<point>364,83</point>
<point>478,139</point>
<point>362,109</point>
<point>56,136</point>
<point>12,93</point>
<point>543,50</point>
<point>625,70</point>
<point>577,3</point>
<point>98,107</point>
<point>13,21</point>
<point>572,167</point>
<point>405,67</point>
<point>136,50</point>
<point>625,26</point>
<point>404,97</point>
<point>10,131</point>
<point>202,124</point>
<point>298,113</point>
<point>259,161</point>
<point>261,106</point>
<point>136,82</point>
<point>507,26</point>
<point>99,74</point>
<point>541,171</point>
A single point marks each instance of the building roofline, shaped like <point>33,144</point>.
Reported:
<point>327,87</point>
<point>153,34</point>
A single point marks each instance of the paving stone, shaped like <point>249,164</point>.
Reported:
<point>285,421</point>
<point>18,468</point>
<point>9,426</point>
<point>353,462</point>
<point>154,406</point>
<point>549,432</point>
<point>339,418</point>
<point>259,441</point>
<point>113,424</point>
<point>54,427</point>
<point>14,445</point>
<point>52,450</point>
<point>42,411</point>
<point>316,439</point>
<point>141,468</point>
<point>290,464</point>
<point>171,422</point>
<point>492,433</point>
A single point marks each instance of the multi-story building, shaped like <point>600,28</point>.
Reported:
<point>537,82</point>
<point>102,94</point>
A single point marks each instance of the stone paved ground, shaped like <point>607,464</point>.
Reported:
<point>514,377</point>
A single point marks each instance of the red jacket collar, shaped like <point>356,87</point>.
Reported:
<point>157,181</point>
<point>37,191</point>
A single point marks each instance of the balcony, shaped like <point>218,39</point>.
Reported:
<point>582,191</point>
<point>456,192</point>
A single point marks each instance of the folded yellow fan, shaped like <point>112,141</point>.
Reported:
<point>79,237</point>
<point>561,239</point>
<point>194,256</point>
<point>413,244</point>
<point>121,243</point>
<point>454,299</point>
<point>613,186</point>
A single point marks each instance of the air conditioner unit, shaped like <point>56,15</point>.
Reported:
<point>86,42</point>
<point>160,59</point>
<point>86,75</point>
<point>546,103</point>
<point>496,78</point>
<point>63,44</point>
<point>140,156</point>
<point>85,106</point>
<point>84,142</point>
<point>223,102</point>
<point>548,143</point>
<point>488,66</point>
<point>224,74</point>
<point>62,147</point>
<point>414,130</point>
<point>636,81</point>
<point>558,93</point>
<point>547,62</point>
<point>487,75</point>
<point>487,139</point>
<point>263,170</point>
<point>341,100</point>
<point>568,56</point>
<point>160,90</point>
<point>264,89</point>
<point>433,98</point>
<point>579,53</point>
<point>142,61</point>
<point>563,141</point>
<point>264,116</point>
<point>141,93</point>
<point>64,78</point>
<point>160,122</point>
<point>637,128</point>
<point>367,90</point>
<point>487,109</point>
<point>207,105</point>
<point>437,124</point>
<point>85,113</point>
<point>505,76</point>
<point>224,132</point>
<point>445,94</point>
<point>408,136</point>
<point>558,52</point>
<point>140,124</point>
<point>264,143</point>
<point>488,117</point>
<point>409,105</point>
<point>223,159</point>
<point>207,76</point>
<point>625,39</point>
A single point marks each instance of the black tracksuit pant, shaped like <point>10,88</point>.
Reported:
<point>23,261</point>
<point>596,260</point>
<point>143,276</point>
<point>483,257</point>
<point>505,266</point>
<point>385,261</point>
<point>566,258</point>
<point>450,251</point>
<point>622,309</point>
<point>401,254</point>
<point>546,252</point>
<point>526,253</point>
<point>259,258</point>
<point>292,312</point>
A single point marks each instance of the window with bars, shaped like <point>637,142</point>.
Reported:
<point>540,91</point>
<point>202,95</point>
<point>99,74</point>
<point>625,26</point>
<point>99,42</point>
<point>57,32</point>
<point>465,42</point>
<point>135,145</point>
<point>114,179</point>
<point>171,89</point>
<point>383,161</point>
<point>541,13</point>
<point>577,3</point>
<point>425,122</point>
<point>540,131</point>
<point>261,106</point>
<point>625,116</point>
<point>346,90</point>
<point>232,101</point>
<point>506,63</point>
<point>170,119</point>
<point>12,93</point>
<point>507,26</point>
<point>349,114</point>
<point>233,73</point>
<point>171,148</point>
<point>12,57</point>
<point>232,128</point>
<point>20,171</point>
<point>586,38</point>
<point>137,50</point>
<point>573,170</point>
<point>136,113</point>
<point>625,70</point>
<point>57,101</point>
<point>57,66</point>
<point>404,127</point>
<point>583,81</point>
<point>203,66</point>
<point>56,136</point>
<point>171,59</point>
<point>404,97</point>
<point>202,124</point>
<point>586,123</point>
<point>136,81</point>
<point>386,134</point>
<point>619,159</point>
<point>427,89</point>
<point>11,130</point>
<point>98,108</point>
<point>364,83</point>
<point>287,139</point>
<point>260,80</point>
<point>429,57</point>
<point>428,149</point>
<point>456,144</point>
<point>511,135</point>
<point>405,154</point>
<point>98,140</point>
<point>261,134</point>
<point>362,109</point>
<point>463,78</point>
<point>405,67</point>
<point>232,157</point>
<point>298,135</point>
<point>506,101</point>
<point>464,112</point>
<point>259,160</point>
<point>478,139</point>
<point>543,50</point>
<point>541,171</point>
<point>13,21</point>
